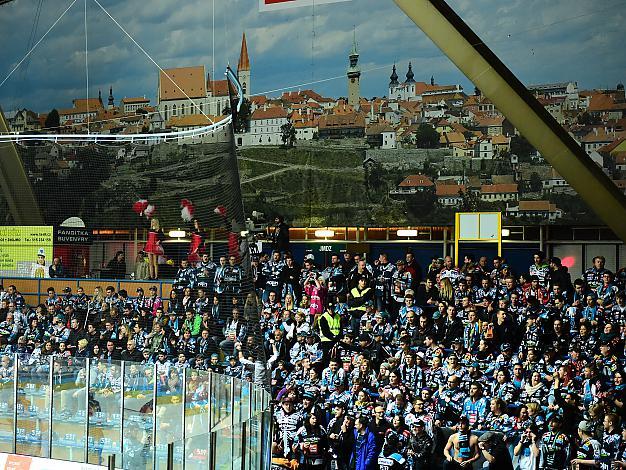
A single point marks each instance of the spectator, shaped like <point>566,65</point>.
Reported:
<point>56,269</point>
<point>117,266</point>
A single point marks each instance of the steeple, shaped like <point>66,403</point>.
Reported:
<point>111,100</point>
<point>410,76</point>
<point>394,77</point>
<point>244,61</point>
<point>354,76</point>
<point>432,80</point>
<point>100,96</point>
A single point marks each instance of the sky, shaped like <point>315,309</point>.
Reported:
<point>541,41</point>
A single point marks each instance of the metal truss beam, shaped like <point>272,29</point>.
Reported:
<point>14,184</point>
<point>472,56</point>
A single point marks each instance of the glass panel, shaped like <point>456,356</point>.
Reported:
<point>245,400</point>
<point>220,401</point>
<point>223,457</point>
<point>138,433</point>
<point>197,420</point>
<point>69,416</point>
<point>33,405</point>
<point>169,415</point>
<point>104,412</point>
<point>253,443</point>
<point>7,403</point>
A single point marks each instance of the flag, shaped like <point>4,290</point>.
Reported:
<point>270,5</point>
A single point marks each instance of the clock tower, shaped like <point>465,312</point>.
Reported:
<point>354,77</point>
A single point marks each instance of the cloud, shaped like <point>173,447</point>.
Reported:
<point>540,41</point>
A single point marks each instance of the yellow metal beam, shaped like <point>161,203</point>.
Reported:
<point>467,51</point>
<point>15,185</point>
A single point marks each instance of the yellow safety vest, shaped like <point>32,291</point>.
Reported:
<point>356,294</point>
<point>334,325</point>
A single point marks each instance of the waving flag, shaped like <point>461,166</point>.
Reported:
<point>269,5</point>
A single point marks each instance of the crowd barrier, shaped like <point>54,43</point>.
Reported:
<point>144,416</point>
<point>35,291</point>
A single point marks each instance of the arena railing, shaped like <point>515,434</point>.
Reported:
<point>34,290</point>
<point>139,416</point>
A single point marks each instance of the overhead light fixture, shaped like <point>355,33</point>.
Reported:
<point>324,233</point>
<point>178,233</point>
<point>506,232</point>
<point>407,233</point>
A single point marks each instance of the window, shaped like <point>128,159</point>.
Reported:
<point>166,115</point>
<point>174,110</point>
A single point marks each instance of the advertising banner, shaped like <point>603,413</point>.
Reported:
<point>23,462</point>
<point>269,5</point>
<point>26,251</point>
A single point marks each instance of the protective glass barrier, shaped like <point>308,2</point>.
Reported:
<point>143,415</point>
<point>138,413</point>
<point>33,405</point>
<point>105,407</point>
<point>197,419</point>
<point>7,403</point>
<point>170,417</point>
<point>69,408</point>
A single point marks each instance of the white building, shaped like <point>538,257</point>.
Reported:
<point>535,209</point>
<point>483,148</point>
<point>190,90</point>
<point>130,105</point>
<point>265,126</point>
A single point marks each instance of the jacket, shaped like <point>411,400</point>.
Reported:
<point>365,455</point>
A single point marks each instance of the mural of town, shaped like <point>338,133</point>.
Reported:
<point>414,156</point>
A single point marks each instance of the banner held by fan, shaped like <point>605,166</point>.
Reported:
<point>271,5</point>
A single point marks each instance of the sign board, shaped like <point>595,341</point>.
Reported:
<point>73,236</point>
<point>25,251</point>
<point>477,227</point>
<point>23,462</point>
<point>270,5</point>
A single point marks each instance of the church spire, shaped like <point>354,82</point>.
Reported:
<point>111,99</point>
<point>394,77</point>
<point>410,76</point>
<point>244,61</point>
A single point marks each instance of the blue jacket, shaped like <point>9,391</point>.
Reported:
<point>365,454</point>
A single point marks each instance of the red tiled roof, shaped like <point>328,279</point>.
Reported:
<point>416,181</point>
<point>273,112</point>
<point>498,188</point>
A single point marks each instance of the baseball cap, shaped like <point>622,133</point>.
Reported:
<point>585,426</point>
<point>437,315</point>
<point>409,293</point>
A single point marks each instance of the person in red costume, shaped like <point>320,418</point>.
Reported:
<point>153,248</point>
<point>196,243</point>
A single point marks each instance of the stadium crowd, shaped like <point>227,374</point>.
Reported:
<point>376,365</point>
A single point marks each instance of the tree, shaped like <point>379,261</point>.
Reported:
<point>469,200</point>
<point>288,134</point>
<point>426,137</point>
<point>534,183</point>
<point>521,147</point>
<point>53,121</point>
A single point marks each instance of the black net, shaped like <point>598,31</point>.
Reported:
<point>132,236</point>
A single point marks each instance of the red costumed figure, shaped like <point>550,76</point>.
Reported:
<point>233,238</point>
<point>187,210</point>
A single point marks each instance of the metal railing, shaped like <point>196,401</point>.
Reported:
<point>147,416</point>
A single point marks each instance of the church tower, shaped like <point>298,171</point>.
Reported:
<point>111,102</point>
<point>243,68</point>
<point>393,82</point>
<point>354,77</point>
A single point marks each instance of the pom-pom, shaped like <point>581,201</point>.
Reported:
<point>186,210</point>
<point>220,210</point>
<point>140,206</point>
<point>149,210</point>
